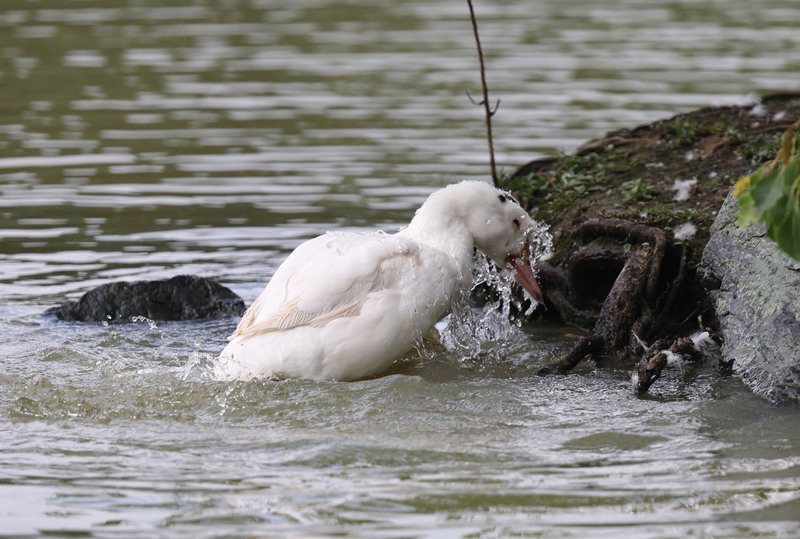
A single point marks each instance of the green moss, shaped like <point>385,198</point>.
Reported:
<point>572,177</point>
<point>631,173</point>
<point>636,190</point>
<point>685,131</point>
<point>759,149</point>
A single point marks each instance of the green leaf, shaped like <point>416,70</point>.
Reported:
<point>787,233</point>
<point>776,215</point>
<point>791,174</point>
<point>772,194</point>
<point>748,213</point>
<point>766,190</point>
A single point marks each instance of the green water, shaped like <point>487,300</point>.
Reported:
<point>146,139</point>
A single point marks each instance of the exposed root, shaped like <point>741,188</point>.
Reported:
<point>635,308</point>
<point>591,344</point>
<point>633,233</point>
<point>650,371</point>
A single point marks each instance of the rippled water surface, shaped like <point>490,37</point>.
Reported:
<point>145,139</point>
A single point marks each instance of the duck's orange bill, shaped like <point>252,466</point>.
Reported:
<point>519,265</point>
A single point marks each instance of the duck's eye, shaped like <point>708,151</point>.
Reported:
<point>502,199</point>
<point>516,224</point>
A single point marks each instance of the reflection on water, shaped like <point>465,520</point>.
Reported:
<point>143,139</point>
<point>124,122</point>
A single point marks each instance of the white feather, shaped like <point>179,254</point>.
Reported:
<point>703,341</point>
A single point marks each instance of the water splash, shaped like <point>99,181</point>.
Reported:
<point>491,313</point>
<point>541,245</point>
<point>222,399</point>
<point>152,324</point>
<point>199,367</point>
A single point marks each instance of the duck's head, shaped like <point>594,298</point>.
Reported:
<point>504,231</point>
<point>500,228</point>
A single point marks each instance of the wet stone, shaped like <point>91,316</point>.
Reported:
<point>183,297</point>
<point>755,289</point>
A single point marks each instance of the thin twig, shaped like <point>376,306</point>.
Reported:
<point>488,109</point>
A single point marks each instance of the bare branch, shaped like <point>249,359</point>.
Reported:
<point>496,106</point>
<point>472,100</point>
<point>489,111</point>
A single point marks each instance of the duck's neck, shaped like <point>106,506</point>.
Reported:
<point>441,224</point>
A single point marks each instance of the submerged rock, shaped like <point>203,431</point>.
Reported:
<point>755,289</point>
<point>184,297</point>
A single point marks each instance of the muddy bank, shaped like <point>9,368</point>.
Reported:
<point>631,214</point>
<point>663,174</point>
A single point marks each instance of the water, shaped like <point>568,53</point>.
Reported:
<point>145,139</point>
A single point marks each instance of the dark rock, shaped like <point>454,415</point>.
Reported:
<point>758,304</point>
<point>184,297</point>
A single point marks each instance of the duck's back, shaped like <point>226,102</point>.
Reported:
<point>343,306</point>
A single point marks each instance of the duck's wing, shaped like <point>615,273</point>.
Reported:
<point>326,278</point>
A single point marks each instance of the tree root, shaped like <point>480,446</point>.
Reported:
<point>637,304</point>
<point>650,371</point>
<point>633,233</point>
<point>591,344</point>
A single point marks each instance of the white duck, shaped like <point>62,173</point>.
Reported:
<point>345,306</point>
